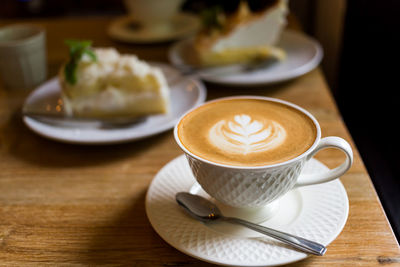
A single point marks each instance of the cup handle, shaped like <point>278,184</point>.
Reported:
<point>334,142</point>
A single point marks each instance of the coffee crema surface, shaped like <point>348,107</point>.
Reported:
<point>246,132</point>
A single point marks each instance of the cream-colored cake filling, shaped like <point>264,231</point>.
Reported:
<point>255,30</point>
<point>244,37</point>
<point>115,85</point>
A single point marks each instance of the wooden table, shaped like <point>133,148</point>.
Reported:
<point>63,205</point>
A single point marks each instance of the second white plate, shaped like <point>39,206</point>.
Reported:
<point>184,95</point>
<point>303,55</point>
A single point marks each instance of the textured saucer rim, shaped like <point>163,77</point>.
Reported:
<point>215,260</point>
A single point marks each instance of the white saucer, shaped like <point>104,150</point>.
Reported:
<point>184,95</point>
<point>317,212</point>
<point>181,25</point>
<point>303,55</point>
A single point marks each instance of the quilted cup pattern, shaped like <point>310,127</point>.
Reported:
<point>245,187</point>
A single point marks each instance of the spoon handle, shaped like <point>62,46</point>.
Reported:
<point>66,121</point>
<point>297,242</point>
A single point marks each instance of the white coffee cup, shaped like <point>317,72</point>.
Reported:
<point>22,56</point>
<point>252,187</point>
<point>153,14</point>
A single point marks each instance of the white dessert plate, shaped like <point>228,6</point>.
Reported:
<point>317,212</point>
<point>184,95</point>
<point>303,55</point>
<point>125,29</point>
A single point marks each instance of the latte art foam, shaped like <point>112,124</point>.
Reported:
<point>246,132</point>
<point>244,135</point>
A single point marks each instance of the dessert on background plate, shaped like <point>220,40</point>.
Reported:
<point>250,33</point>
<point>100,82</point>
<point>46,99</point>
<point>257,38</point>
<point>303,54</point>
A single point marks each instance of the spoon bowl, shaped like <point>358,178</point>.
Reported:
<point>198,207</point>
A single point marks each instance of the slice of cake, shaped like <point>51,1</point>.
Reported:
<point>104,83</point>
<point>242,36</point>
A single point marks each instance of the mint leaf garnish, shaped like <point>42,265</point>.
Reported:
<point>212,17</point>
<point>77,48</point>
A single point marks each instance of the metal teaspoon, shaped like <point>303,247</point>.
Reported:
<point>205,211</point>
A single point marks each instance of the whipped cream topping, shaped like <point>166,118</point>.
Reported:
<point>244,135</point>
<point>115,83</point>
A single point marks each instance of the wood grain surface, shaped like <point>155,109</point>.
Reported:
<point>74,205</point>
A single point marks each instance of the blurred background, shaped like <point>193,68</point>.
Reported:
<point>361,45</point>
